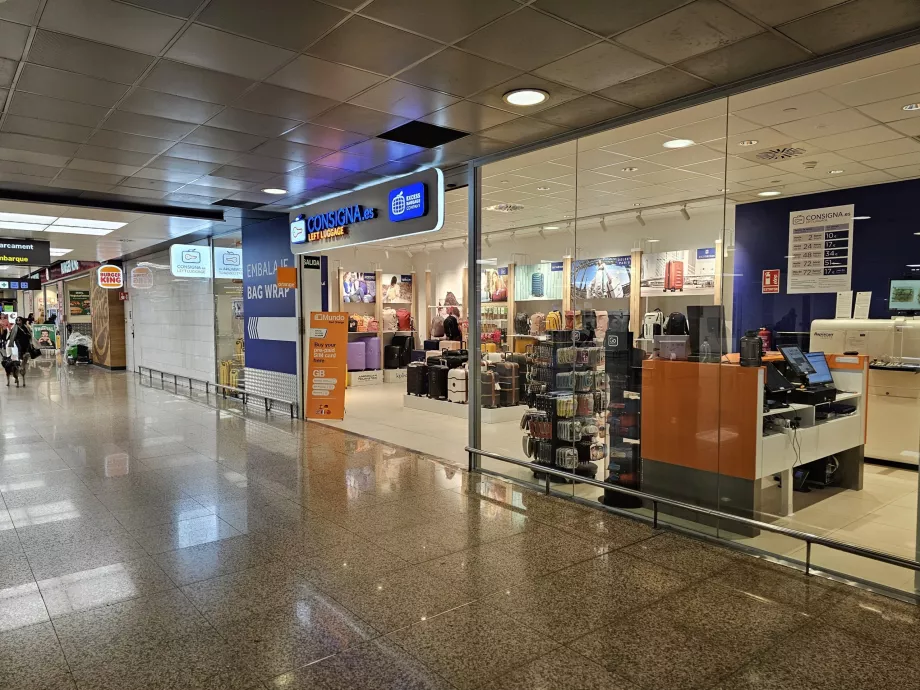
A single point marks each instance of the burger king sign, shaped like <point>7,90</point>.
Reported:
<point>110,277</point>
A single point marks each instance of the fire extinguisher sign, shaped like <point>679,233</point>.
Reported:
<point>770,284</point>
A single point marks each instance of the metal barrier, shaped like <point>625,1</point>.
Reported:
<point>807,537</point>
<point>219,387</point>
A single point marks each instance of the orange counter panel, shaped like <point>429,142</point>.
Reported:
<point>702,416</point>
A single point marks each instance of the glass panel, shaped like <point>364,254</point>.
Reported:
<point>228,310</point>
<point>826,264</point>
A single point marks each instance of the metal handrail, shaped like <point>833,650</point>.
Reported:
<point>268,400</point>
<point>807,537</point>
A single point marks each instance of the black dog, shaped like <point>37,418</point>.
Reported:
<point>11,367</point>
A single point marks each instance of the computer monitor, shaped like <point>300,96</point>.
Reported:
<point>822,373</point>
<point>776,383</point>
<point>674,347</point>
<point>904,295</point>
<point>797,361</point>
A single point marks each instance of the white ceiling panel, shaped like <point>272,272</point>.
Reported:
<point>789,109</point>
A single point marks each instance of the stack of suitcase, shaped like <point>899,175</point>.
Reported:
<point>417,378</point>
<point>509,383</point>
<point>489,389</point>
<point>437,381</point>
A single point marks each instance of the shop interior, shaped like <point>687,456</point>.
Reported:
<point>595,226</point>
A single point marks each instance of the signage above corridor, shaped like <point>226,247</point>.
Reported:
<point>408,205</point>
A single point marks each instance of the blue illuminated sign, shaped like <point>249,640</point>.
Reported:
<point>328,225</point>
<point>407,202</point>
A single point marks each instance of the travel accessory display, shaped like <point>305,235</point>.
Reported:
<point>536,284</point>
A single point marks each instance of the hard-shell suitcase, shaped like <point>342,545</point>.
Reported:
<point>457,385</point>
<point>418,355</point>
<point>437,381</point>
<point>417,379</point>
<point>489,389</point>
<point>372,354</point>
<point>432,344</point>
<point>455,358</point>
<point>523,366</point>
<point>674,276</point>
<point>391,357</point>
<point>404,343</point>
<point>356,355</point>
<point>509,382</point>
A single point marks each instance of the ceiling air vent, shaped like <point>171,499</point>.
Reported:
<point>780,154</point>
<point>422,134</point>
<point>248,205</point>
<point>505,208</point>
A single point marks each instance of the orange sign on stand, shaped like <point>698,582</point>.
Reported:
<point>327,366</point>
<point>286,277</point>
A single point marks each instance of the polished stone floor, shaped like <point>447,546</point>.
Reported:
<point>148,541</point>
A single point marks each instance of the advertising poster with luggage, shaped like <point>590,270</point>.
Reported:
<point>604,278</point>
<point>326,367</point>
<point>494,282</point>
<point>397,288</point>
<point>359,287</point>
<point>687,271</point>
<point>538,281</point>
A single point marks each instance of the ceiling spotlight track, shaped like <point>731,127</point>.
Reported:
<point>640,219</point>
<point>684,212</point>
<point>604,224</point>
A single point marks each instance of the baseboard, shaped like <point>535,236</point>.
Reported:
<point>106,366</point>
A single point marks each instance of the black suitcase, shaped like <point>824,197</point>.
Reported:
<point>432,344</point>
<point>509,383</point>
<point>404,343</point>
<point>455,358</point>
<point>418,356</point>
<point>437,381</point>
<point>523,367</point>
<point>392,357</point>
<point>417,378</point>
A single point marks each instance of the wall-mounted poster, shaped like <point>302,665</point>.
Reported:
<point>688,271</point>
<point>541,281</point>
<point>397,289</point>
<point>79,302</point>
<point>359,287</point>
<point>820,250</point>
<point>494,284</point>
<point>603,278</point>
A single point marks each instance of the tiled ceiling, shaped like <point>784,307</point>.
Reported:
<point>848,125</point>
<point>193,101</point>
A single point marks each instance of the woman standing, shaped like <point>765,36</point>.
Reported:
<point>21,337</point>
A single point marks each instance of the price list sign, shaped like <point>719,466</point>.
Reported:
<point>820,250</point>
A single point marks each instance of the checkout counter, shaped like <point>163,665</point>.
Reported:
<point>893,349</point>
<point>708,438</point>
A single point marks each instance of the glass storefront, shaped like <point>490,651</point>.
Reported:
<point>717,306</point>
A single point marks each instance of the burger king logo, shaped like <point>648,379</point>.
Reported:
<point>110,277</point>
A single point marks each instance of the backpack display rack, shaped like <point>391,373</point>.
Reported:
<point>566,393</point>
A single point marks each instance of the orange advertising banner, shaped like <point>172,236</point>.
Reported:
<point>327,367</point>
<point>286,277</point>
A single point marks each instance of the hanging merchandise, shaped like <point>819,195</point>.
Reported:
<point>537,324</point>
<point>676,324</point>
<point>436,330</point>
<point>452,328</point>
<point>390,320</point>
<point>652,324</point>
<point>553,321</point>
<point>522,323</point>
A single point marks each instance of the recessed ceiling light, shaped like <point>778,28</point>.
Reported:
<point>27,218</point>
<point>637,204</point>
<point>630,169</point>
<point>747,142</point>
<point>678,143</point>
<point>652,239</point>
<point>542,189</point>
<point>86,223</point>
<point>771,192</point>
<point>275,190</point>
<point>911,106</point>
<point>834,172</point>
<point>60,251</point>
<point>12,225</point>
<point>725,189</point>
<point>550,227</point>
<point>525,97</point>
<point>789,110</point>
<point>70,230</point>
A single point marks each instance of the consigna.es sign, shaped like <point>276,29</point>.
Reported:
<point>328,225</point>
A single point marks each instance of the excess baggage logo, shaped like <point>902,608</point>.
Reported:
<point>407,202</point>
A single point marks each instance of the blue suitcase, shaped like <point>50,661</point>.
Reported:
<point>418,355</point>
<point>432,344</point>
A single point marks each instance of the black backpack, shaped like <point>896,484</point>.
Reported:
<point>522,323</point>
<point>352,324</point>
<point>452,328</point>
<point>677,324</point>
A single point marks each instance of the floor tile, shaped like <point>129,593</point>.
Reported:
<point>608,532</point>
<point>21,606</point>
<point>788,586</point>
<point>379,664</point>
<point>180,534</point>
<point>109,584</point>
<point>213,559</point>
<point>15,570</point>
<point>571,602</point>
<point>31,658</point>
<point>471,645</point>
<point>692,557</point>
<point>880,619</point>
<point>78,557</point>
<point>561,668</point>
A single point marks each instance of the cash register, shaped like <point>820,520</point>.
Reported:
<point>816,385</point>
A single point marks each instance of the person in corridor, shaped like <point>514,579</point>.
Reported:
<point>21,337</point>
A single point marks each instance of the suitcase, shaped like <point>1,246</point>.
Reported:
<point>488,347</point>
<point>418,356</point>
<point>489,393</point>
<point>433,345</point>
<point>456,385</point>
<point>356,355</point>
<point>450,344</point>
<point>674,276</point>
<point>372,354</point>
<point>391,357</point>
<point>523,366</point>
<point>417,379</point>
<point>508,374</point>
<point>404,343</point>
<point>455,358</point>
<point>437,381</point>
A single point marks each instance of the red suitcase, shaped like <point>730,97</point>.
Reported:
<point>674,276</point>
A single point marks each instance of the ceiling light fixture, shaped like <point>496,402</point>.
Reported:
<point>684,212</point>
<point>678,143</point>
<point>60,251</point>
<point>68,230</point>
<point>13,225</point>
<point>525,97</point>
<point>652,239</point>
<point>834,172</point>
<point>630,169</point>
<point>911,106</point>
<point>747,142</point>
<point>771,192</point>
<point>640,219</point>
<point>409,253</point>
<point>542,189</point>
<point>387,252</point>
<point>868,217</point>
<point>604,224</point>
<point>28,218</point>
<point>541,233</point>
<point>550,227</point>
<point>637,205</point>
<point>725,189</point>
<point>277,191</point>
